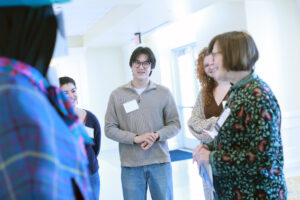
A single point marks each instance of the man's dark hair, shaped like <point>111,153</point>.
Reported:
<point>65,80</point>
<point>143,50</point>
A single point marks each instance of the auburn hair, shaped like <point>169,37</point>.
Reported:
<point>207,83</point>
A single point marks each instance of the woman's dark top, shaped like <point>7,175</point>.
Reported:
<point>94,148</point>
<point>213,109</point>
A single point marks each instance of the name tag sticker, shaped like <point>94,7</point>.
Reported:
<point>220,123</point>
<point>224,103</point>
<point>90,131</point>
<point>131,106</point>
<point>223,116</point>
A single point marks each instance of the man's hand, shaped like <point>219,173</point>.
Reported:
<point>146,140</point>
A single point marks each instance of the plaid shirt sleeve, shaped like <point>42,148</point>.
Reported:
<point>39,157</point>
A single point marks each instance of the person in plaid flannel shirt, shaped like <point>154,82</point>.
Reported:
<point>42,154</point>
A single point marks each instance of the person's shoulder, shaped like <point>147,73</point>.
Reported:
<point>162,88</point>
<point>91,119</point>
<point>260,88</point>
<point>18,100</point>
<point>90,114</point>
<point>21,92</point>
<point>120,89</point>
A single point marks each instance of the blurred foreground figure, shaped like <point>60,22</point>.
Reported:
<point>42,153</point>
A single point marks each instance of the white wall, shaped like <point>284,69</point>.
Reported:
<point>105,72</point>
<point>74,66</point>
<point>275,27</point>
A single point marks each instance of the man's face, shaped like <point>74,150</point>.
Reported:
<point>141,68</point>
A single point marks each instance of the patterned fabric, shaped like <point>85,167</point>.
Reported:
<point>247,155</point>
<point>41,139</point>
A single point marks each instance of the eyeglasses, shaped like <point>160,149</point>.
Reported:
<point>213,54</point>
<point>145,64</point>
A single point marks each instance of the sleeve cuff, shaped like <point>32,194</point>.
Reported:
<point>157,140</point>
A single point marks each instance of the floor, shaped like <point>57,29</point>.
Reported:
<point>186,181</point>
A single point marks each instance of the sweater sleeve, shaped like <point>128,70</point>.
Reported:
<point>197,122</point>
<point>112,125</point>
<point>171,119</point>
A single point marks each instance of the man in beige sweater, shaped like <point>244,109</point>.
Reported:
<point>142,116</point>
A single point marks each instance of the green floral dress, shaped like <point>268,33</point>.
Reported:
<point>247,154</point>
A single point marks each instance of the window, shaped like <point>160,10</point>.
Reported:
<point>187,86</point>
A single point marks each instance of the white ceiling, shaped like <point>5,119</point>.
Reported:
<point>114,22</point>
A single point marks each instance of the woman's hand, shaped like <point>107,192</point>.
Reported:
<point>201,154</point>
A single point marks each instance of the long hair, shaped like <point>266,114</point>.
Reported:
<point>28,34</point>
<point>207,83</point>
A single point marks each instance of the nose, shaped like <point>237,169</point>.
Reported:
<point>211,65</point>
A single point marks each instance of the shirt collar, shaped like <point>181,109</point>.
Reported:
<point>244,81</point>
<point>150,86</point>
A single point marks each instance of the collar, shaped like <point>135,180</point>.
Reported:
<point>151,85</point>
<point>238,85</point>
<point>244,81</point>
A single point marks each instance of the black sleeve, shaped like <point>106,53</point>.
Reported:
<point>93,122</point>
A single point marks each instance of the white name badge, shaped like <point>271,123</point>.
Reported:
<point>131,106</point>
<point>220,123</point>
<point>223,117</point>
<point>90,131</point>
<point>224,103</point>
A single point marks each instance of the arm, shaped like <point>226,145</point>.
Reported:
<point>197,123</point>
<point>112,127</point>
<point>260,147</point>
<point>171,120</point>
<point>97,135</point>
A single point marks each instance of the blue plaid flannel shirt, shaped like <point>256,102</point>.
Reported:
<point>42,153</point>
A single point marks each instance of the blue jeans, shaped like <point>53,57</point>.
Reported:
<point>95,184</point>
<point>135,181</point>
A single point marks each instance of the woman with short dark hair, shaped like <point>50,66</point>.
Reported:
<point>247,154</point>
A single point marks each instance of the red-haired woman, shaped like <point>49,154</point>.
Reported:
<point>208,106</point>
